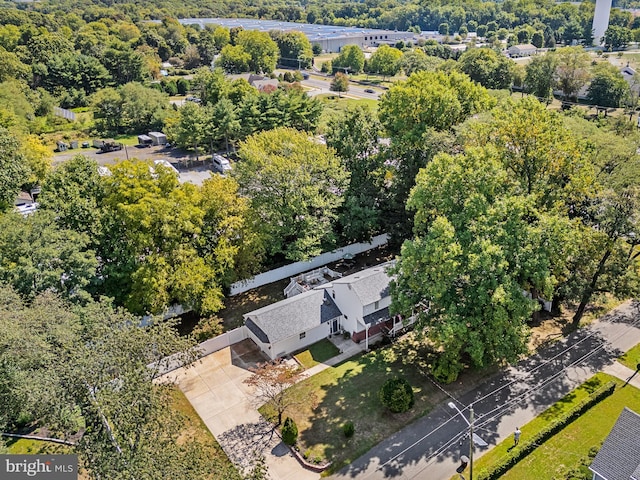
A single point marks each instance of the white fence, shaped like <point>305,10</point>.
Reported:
<point>61,112</point>
<point>295,268</point>
<point>222,341</point>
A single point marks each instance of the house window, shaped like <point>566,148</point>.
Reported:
<point>376,306</point>
<point>302,335</point>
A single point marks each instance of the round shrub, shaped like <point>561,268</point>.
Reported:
<point>289,431</point>
<point>397,395</point>
<point>348,429</point>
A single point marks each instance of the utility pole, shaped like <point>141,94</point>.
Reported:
<point>473,438</point>
<point>470,442</point>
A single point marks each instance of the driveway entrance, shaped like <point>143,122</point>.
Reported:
<point>214,386</point>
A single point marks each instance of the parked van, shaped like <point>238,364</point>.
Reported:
<point>221,164</point>
<point>168,165</point>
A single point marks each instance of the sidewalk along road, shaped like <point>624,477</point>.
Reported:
<point>430,448</point>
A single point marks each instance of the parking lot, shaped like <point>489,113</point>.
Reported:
<point>191,170</point>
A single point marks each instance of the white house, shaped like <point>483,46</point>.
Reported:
<point>357,304</point>
<point>292,324</point>
<point>524,50</point>
<point>363,298</point>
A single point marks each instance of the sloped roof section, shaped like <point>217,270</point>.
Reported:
<point>292,316</point>
<point>619,456</point>
<point>369,285</point>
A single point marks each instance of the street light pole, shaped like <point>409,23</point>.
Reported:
<point>471,435</point>
<point>470,441</point>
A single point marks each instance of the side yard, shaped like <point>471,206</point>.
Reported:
<point>349,392</point>
<point>631,359</point>
<point>566,455</point>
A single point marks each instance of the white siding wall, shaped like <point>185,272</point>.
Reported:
<point>371,308</point>
<point>348,304</point>
<point>294,342</point>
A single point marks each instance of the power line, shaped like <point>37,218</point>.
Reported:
<point>513,400</point>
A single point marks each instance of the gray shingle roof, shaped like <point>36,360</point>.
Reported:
<point>292,316</point>
<point>375,317</point>
<point>369,285</point>
<point>619,456</point>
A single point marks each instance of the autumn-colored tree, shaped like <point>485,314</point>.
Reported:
<point>273,382</point>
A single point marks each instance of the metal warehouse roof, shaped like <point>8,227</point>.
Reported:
<point>312,31</point>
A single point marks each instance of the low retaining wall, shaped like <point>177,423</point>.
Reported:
<point>294,269</point>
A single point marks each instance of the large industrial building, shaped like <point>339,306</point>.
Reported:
<point>330,37</point>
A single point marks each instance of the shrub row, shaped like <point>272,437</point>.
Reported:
<point>525,448</point>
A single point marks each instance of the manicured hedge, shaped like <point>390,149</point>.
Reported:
<point>526,447</point>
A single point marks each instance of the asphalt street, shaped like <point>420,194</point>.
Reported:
<point>430,448</point>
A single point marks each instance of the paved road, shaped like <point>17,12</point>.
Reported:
<point>429,449</point>
<point>320,85</point>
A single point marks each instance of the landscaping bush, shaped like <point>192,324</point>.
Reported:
<point>348,429</point>
<point>397,395</point>
<point>207,328</point>
<point>289,431</point>
<point>525,448</point>
<point>183,86</point>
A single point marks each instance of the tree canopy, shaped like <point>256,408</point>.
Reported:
<point>295,185</point>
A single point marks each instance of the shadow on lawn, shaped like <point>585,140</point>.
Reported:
<point>534,384</point>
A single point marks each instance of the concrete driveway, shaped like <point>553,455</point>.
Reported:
<point>214,386</point>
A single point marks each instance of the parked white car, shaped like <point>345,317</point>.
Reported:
<point>221,164</point>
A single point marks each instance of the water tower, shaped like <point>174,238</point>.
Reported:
<point>601,20</point>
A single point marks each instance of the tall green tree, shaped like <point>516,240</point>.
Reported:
<point>351,60</point>
<point>295,49</point>
<point>608,88</point>
<point>539,79</point>
<point>340,83</point>
<point>74,192</point>
<point>542,155</point>
<point>39,256</point>
<point>13,169</point>
<point>430,100</point>
<point>606,261</point>
<point>295,186</point>
<point>487,67</point>
<point>94,363</point>
<point>385,61</point>
<point>147,246</point>
<point>416,61</point>
<point>262,50</point>
<point>190,129</point>
<point>572,70</point>
<point>477,246</point>
<point>355,138</point>
<point>225,123</point>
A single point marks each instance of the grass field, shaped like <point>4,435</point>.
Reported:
<point>349,392</point>
<point>566,449</point>
<point>335,106</point>
<point>317,353</point>
<point>632,358</point>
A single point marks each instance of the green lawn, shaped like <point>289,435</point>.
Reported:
<point>317,353</point>
<point>566,449</point>
<point>335,106</point>
<point>24,446</point>
<point>349,391</point>
<point>632,358</point>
